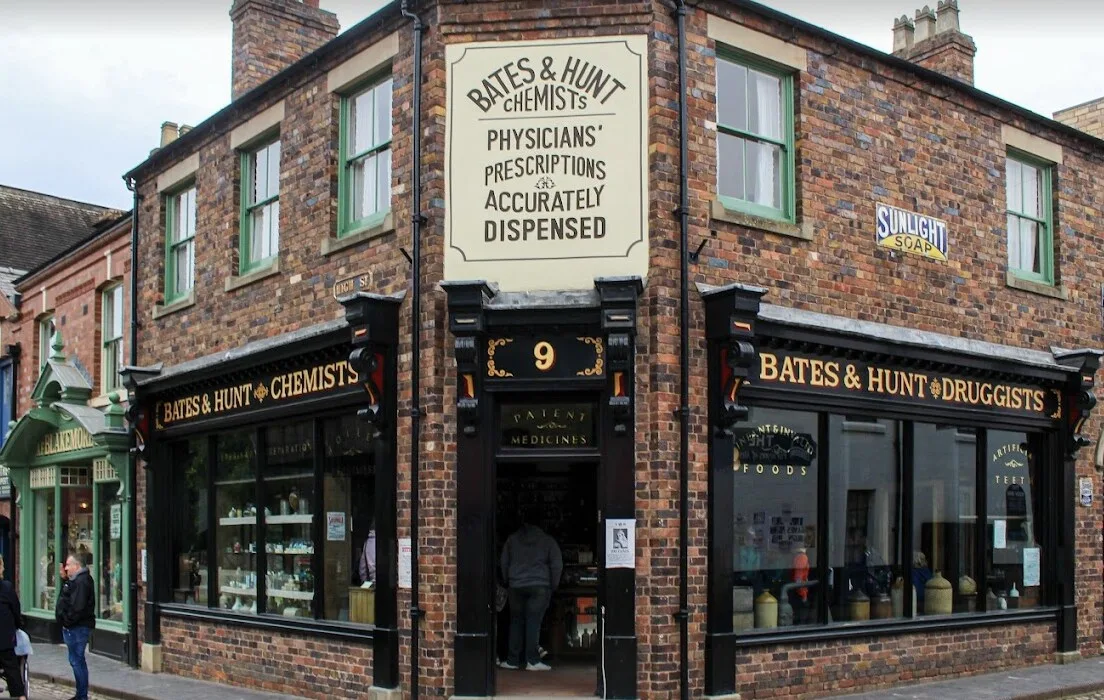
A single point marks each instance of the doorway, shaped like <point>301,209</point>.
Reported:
<point>560,496</point>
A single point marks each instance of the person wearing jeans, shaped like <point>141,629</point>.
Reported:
<point>531,563</point>
<point>76,612</point>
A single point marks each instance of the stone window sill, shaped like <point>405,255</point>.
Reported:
<point>333,245</point>
<point>802,231</point>
<point>1041,288</point>
<point>160,311</point>
<point>237,282</point>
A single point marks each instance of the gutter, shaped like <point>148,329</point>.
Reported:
<point>132,462</point>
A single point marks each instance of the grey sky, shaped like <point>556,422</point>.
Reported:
<point>85,84</point>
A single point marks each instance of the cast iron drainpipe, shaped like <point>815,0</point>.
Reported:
<point>683,613</point>
<point>132,462</point>
<point>416,220</point>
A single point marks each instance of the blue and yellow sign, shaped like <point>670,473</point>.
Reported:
<point>911,232</point>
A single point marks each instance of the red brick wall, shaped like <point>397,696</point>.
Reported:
<point>270,35</point>
<point>866,133</point>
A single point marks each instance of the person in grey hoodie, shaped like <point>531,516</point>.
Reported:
<point>531,564</point>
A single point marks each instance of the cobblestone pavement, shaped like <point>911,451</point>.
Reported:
<point>44,690</point>
<point>1090,696</point>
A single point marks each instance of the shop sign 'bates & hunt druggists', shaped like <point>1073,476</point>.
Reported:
<point>546,160</point>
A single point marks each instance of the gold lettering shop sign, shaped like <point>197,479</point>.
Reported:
<point>553,426</point>
<point>69,440</point>
<point>546,159</point>
<point>846,377</point>
<point>282,388</point>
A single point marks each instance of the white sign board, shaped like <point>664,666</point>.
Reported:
<point>1031,566</point>
<point>546,159</point>
<point>1086,488</point>
<point>116,521</point>
<point>335,526</point>
<point>1000,534</point>
<point>621,544</point>
<point>143,566</point>
<point>405,551</point>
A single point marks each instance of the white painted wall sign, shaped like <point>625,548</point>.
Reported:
<point>546,161</point>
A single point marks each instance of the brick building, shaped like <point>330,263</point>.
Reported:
<point>67,449</point>
<point>840,451</point>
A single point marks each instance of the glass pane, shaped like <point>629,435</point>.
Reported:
<point>190,522</point>
<point>190,281</point>
<point>944,526</point>
<point>1013,552</point>
<point>864,520</point>
<point>765,105</point>
<point>236,509</point>
<point>259,176</point>
<point>360,122</point>
<point>190,217</point>
<point>1014,242</point>
<point>1014,185</point>
<point>368,195</point>
<point>383,180</point>
<point>1030,259</point>
<point>258,234</point>
<point>182,265</point>
<point>110,574</point>
<point>764,174</point>
<point>732,94</point>
<point>1031,191</point>
<point>289,542</point>
<point>730,166</point>
<point>274,169</point>
<point>383,113</point>
<point>76,516</point>
<point>117,312</point>
<point>273,219</point>
<point>356,171</point>
<point>775,519</point>
<point>48,571</point>
<point>349,558</point>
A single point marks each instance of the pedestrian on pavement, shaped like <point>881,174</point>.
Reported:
<point>531,564</point>
<point>13,666</point>
<point>76,612</point>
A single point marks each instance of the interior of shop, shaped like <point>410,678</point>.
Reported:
<point>560,497</point>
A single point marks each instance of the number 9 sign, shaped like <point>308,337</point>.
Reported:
<point>545,355</point>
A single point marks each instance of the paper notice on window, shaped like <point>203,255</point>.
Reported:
<point>1000,534</point>
<point>335,527</point>
<point>1031,566</point>
<point>405,555</point>
<point>621,544</point>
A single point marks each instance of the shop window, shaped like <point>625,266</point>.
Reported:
<point>190,522</point>
<point>755,155</point>
<point>365,175</point>
<point>46,570</point>
<point>775,520</point>
<point>1030,235</point>
<point>180,229</point>
<point>46,330</point>
<point>112,334</point>
<point>236,506</point>
<point>348,485</point>
<point>289,543</point>
<point>944,527</point>
<point>109,572</point>
<point>864,519</point>
<point>1014,559</point>
<point>260,224</point>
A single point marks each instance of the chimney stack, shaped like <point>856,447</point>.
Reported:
<point>1087,116</point>
<point>169,133</point>
<point>270,35</point>
<point>937,42</point>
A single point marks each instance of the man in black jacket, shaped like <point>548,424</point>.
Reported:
<point>76,611</point>
<point>11,619</point>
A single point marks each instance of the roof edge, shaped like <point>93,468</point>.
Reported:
<point>99,232</point>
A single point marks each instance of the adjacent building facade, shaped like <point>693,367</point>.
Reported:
<point>792,342</point>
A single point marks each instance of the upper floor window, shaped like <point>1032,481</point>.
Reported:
<point>365,156</point>
<point>260,240</point>
<point>180,226</point>
<point>46,330</point>
<point>1030,234</point>
<point>755,155</point>
<point>112,355</point>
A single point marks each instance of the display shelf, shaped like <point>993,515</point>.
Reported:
<point>286,477</point>
<point>248,520</point>
<point>235,482</point>
<point>296,552</point>
<point>291,595</point>
<point>231,590</point>
<point>304,518</point>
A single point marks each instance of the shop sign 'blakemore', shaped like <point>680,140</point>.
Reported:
<point>910,232</point>
<point>827,375</point>
<point>546,160</point>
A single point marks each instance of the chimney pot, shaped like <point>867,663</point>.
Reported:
<point>947,17</point>
<point>903,30</point>
<point>169,133</point>
<point>925,24</point>
<point>185,128</point>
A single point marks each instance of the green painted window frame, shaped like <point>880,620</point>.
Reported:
<point>173,242</point>
<point>1045,223</point>
<point>246,263</point>
<point>347,224</point>
<point>788,162</point>
<point>112,344</point>
<point>45,327</point>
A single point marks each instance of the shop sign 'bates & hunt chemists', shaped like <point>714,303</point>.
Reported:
<point>546,162</point>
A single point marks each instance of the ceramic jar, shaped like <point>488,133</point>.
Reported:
<point>967,594</point>
<point>858,606</point>
<point>766,610</point>
<point>938,596</point>
<point>743,608</point>
<point>881,607</point>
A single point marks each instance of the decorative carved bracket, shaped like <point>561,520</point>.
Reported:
<point>374,322</point>
<point>468,323</point>
<point>618,297</point>
<point>730,318</point>
<point>1080,399</point>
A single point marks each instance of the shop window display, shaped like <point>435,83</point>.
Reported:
<point>46,575</point>
<point>190,522</point>
<point>775,520</point>
<point>1014,559</point>
<point>110,535</point>
<point>348,485</point>
<point>289,545</point>
<point>236,507</point>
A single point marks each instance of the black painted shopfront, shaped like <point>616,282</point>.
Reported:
<point>268,469</point>
<point>545,418</point>
<point>867,480</point>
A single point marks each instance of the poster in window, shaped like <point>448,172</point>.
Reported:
<point>335,527</point>
<point>116,521</point>
<point>1031,566</point>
